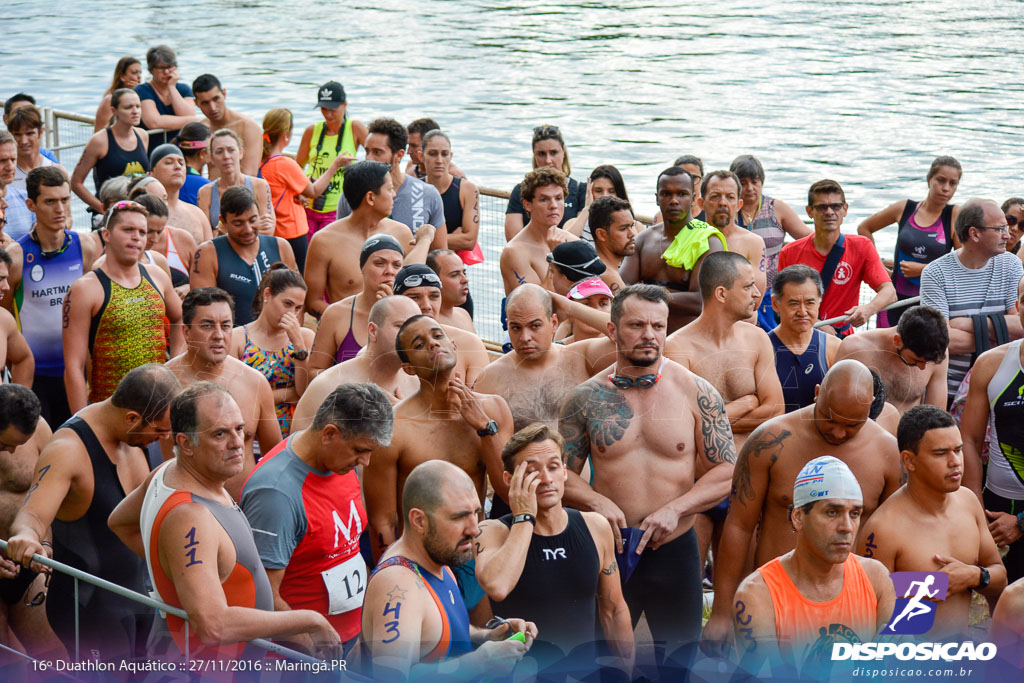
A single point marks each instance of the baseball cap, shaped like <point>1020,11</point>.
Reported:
<point>331,95</point>
<point>378,242</point>
<point>577,260</point>
<point>415,275</point>
<point>589,287</point>
<point>825,478</point>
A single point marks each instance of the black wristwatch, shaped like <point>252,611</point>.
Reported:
<point>984,581</point>
<point>527,517</point>
<point>490,430</point>
<point>301,354</point>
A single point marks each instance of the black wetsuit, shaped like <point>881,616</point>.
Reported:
<point>453,221</point>
<point>115,626</point>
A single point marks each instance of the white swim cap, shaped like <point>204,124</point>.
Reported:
<point>823,478</point>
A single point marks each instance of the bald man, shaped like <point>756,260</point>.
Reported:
<point>837,424</point>
<point>413,615</point>
<point>378,363</point>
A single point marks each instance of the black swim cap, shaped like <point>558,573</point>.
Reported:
<point>378,242</point>
<point>164,150</point>
<point>415,275</point>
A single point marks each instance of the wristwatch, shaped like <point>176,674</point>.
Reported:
<point>301,354</point>
<point>983,582</point>
<point>490,430</point>
<point>527,517</point>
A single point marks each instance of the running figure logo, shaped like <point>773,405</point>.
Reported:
<point>917,595</point>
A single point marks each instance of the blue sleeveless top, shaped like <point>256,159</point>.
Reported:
<point>800,374</point>
<point>240,279</point>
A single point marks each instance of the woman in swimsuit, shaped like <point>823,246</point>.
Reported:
<point>226,156</point>
<point>276,343</point>
<point>924,231</point>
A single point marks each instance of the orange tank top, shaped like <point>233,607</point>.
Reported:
<point>800,623</point>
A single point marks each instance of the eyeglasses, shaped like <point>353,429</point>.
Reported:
<point>1005,229</point>
<point>416,280</point>
<point>40,597</point>
<point>581,266</point>
<point>165,67</point>
<point>821,208</point>
<point>541,132</point>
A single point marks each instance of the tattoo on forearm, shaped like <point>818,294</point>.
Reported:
<point>395,596</point>
<point>715,431</point>
<point>194,545</point>
<point>743,619</point>
<point>870,547</point>
<point>594,415</point>
<point>611,568</point>
<point>762,443</point>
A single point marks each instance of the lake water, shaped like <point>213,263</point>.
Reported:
<point>866,93</point>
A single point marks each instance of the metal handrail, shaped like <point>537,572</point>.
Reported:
<point>912,301</point>
<point>78,574</point>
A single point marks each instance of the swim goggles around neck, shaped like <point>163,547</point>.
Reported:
<point>641,382</point>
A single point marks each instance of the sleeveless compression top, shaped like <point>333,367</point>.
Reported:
<point>767,225</point>
<point>215,197</point>
<point>452,206</point>
<point>920,244</point>
<point>246,586</point>
<point>445,593</point>
<point>322,154</point>
<point>279,369</point>
<point>800,374</point>
<point>240,279</point>
<point>805,627</point>
<point>127,331</point>
<point>39,298</point>
<point>350,346</point>
<point>1006,429</point>
<point>120,161</point>
<point>558,586</point>
<point>88,544</point>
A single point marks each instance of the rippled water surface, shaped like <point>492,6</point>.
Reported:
<point>863,92</point>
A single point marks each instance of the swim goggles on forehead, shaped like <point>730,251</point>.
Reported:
<point>580,266</point>
<point>416,279</point>
<point>641,382</point>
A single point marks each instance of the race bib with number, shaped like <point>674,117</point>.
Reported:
<point>345,584</point>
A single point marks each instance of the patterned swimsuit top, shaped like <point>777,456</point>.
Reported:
<point>279,369</point>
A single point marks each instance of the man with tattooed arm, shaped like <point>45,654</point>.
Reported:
<point>661,450</point>
<point>836,424</point>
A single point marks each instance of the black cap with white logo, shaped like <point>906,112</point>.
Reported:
<point>331,95</point>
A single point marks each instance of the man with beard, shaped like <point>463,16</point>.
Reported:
<point>932,523</point>
<point>659,442</point>
<point>837,424</point>
<point>793,608</point>
<point>614,229</point>
<point>670,253</point>
<point>722,203</point>
<point>413,615</point>
<point>82,474</point>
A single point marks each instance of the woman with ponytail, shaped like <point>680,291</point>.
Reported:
<point>288,183</point>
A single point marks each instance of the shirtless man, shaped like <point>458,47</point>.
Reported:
<point>537,375</point>
<point>737,359</point>
<point>932,523</point>
<point>22,435</point>
<point>339,336</point>
<point>902,358</point>
<point>836,424</point>
<point>454,288</point>
<point>84,471</point>
<point>443,419</point>
<point>332,265</point>
<point>722,203</point>
<point>423,286</point>
<point>167,164</point>
<point>653,473</point>
<point>524,258</point>
<point>207,318</point>
<point>614,230</point>
<point>211,99</point>
<point>660,258</point>
<point>378,363</point>
<point>14,351</point>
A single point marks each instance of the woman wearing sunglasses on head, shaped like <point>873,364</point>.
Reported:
<point>925,231</point>
<point>548,150</point>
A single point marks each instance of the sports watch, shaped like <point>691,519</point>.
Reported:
<point>301,354</point>
<point>527,517</point>
<point>490,430</point>
<point>984,580</point>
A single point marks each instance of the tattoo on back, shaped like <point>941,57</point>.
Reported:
<point>715,431</point>
<point>594,415</point>
<point>763,442</point>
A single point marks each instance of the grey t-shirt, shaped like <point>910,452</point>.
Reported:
<point>416,203</point>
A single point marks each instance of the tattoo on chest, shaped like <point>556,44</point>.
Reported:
<point>191,547</point>
<point>716,433</point>
<point>594,415</point>
<point>764,444</point>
